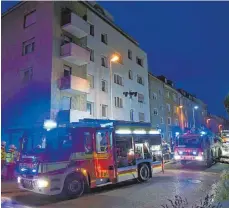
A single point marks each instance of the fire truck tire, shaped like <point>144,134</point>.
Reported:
<point>209,161</point>
<point>143,172</point>
<point>74,186</point>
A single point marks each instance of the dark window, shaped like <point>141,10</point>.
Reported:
<point>26,75</point>
<point>90,108</point>
<point>92,30</point>
<point>104,38</point>
<point>132,115</point>
<point>104,86</point>
<point>140,80</point>
<point>67,71</point>
<point>88,143</point>
<point>92,56</point>
<point>130,54</point>
<point>30,19</point>
<point>118,102</point>
<point>139,61</point>
<point>130,74</point>
<point>118,79</point>
<point>104,61</point>
<point>28,46</point>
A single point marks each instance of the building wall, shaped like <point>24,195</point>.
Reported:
<point>156,87</point>
<point>78,100</point>
<point>117,43</point>
<point>24,103</point>
<point>171,98</point>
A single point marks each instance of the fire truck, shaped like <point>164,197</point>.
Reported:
<point>225,144</point>
<point>199,147</point>
<point>70,159</point>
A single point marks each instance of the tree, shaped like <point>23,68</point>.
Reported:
<point>226,103</point>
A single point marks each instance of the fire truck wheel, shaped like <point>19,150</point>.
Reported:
<point>74,186</point>
<point>209,160</point>
<point>143,173</point>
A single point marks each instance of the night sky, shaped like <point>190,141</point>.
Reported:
<point>188,42</point>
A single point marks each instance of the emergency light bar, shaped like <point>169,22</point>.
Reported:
<point>127,131</point>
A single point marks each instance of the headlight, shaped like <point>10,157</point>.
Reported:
<point>41,183</point>
<point>194,152</point>
<point>180,152</point>
<point>19,179</point>
<point>177,157</point>
<point>200,158</point>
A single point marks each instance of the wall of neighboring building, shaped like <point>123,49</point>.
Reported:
<point>156,96</point>
<point>117,43</point>
<point>26,99</point>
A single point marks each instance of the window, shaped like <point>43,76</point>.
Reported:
<point>168,107</point>
<point>130,54</point>
<point>167,94</point>
<point>104,110</point>
<point>88,143</point>
<point>118,102</point>
<point>92,55</point>
<point>104,86</point>
<point>131,115</point>
<point>140,98</point>
<point>154,96</point>
<point>169,135</point>
<point>159,92</point>
<point>140,80</point>
<point>66,40</point>
<point>92,30</point>
<point>174,97</point>
<point>90,108</point>
<point>104,38</point>
<point>162,120</point>
<point>169,121</point>
<point>155,111</point>
<point>26,75</point>
<point>176,122</point>
<point>30,19</point>
<point>118,79</point>
<point>162,135</point>
<point>161,107</point>
<point>139,61</point>
<point>130,74</point>
<point>174,109</point>
<point>90,79</point>
<point>66,103</point>
<point>28,46</point>
<point>104,61</point>
<point>141,117</point>
<point>67,71</point>
<point>102,141</point>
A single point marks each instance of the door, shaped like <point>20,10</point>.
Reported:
<point>104,157</point>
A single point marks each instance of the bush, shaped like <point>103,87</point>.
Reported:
<point>221,188</point>
<point>179,202</point>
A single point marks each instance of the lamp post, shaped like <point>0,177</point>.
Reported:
<point>193,113</point>
<point>181,117</point>
<point>208,122</point>
<point>114,58</point>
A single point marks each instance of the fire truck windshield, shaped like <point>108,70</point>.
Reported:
<point>192,142</point>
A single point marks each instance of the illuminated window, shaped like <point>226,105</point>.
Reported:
<point>102,141</point>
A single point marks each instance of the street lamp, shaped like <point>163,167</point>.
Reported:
<point>193,112</point>
<point>114,59</point>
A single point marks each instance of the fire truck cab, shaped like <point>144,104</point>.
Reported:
<point>195,147</point>
<point>91,153</point>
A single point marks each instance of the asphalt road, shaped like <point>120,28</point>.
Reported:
<point>192,182</point>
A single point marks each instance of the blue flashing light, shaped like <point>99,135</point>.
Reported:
<point>194,153</point>
<point>203,133</point>
<point>34,170</point>
<point>23,169</point>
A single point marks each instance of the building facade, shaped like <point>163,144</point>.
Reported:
<point>60,64</point>
<point>157,104</point>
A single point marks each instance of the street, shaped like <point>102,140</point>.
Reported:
<point>192,182</point>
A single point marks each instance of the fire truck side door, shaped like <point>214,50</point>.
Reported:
<point>104,155</point>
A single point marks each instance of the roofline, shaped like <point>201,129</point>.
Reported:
<point>13,8</point>
<point>92,9</point>
<point>153,76</point>
<point>110,23</point>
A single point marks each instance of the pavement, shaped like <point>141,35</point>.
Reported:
<point>192,182</point>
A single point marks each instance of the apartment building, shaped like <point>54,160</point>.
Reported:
<point>157,104</point>
<point>60,63</point>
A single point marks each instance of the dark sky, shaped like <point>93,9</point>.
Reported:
<point>188,42</point>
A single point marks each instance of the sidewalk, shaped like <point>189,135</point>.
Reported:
<point>9,187</point>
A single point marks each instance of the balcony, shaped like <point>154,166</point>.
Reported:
<point>75,24</point>
<point>69,116</point>
<point>75,54</point>
<point>74,84</point>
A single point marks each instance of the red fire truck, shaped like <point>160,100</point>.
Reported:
<point>195,147</point>
<point>91,153</point>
